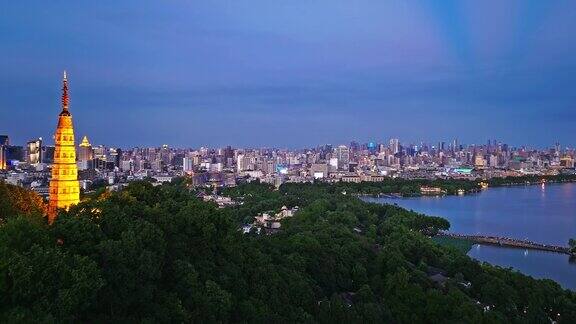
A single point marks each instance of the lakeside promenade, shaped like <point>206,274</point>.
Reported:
<point>509,242</point>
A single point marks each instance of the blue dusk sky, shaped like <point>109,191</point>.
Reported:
<point>291,73</point>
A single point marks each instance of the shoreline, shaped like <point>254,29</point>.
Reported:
<point>397,195</point>
<point>509,243</point>
<point>486,239</point>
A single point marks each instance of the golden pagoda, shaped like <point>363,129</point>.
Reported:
<point>64,186</point>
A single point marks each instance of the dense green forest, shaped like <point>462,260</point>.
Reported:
<point>160,254</point>
<point>531,179</point>
<point>411,187</point>
<point>408,187</point>
<point>460,244</point>
<point>16,200</point>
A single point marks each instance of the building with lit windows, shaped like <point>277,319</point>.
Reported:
<point>85,150</point>
<point>34,151</point>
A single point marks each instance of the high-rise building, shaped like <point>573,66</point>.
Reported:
<point>228,156</point>
<point>64,185</point>
<point>114,156</point>
<point>99,152</point>
<point>4,143</point>
<point>34,151</point>
<point>394,145</point>
<point>343,156</point>
<point>188,165</point>
<point>3,157</point>
<point>240,163</point>
<point>85,150</point>
<point>455,145</point>
<point>165,155</point>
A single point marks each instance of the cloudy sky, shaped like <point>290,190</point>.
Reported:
<point>291,73</point>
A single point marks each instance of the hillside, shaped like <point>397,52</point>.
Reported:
<point>159,254</point>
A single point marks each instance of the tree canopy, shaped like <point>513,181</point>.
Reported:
<point>15,200</point>
<point>160,254</point>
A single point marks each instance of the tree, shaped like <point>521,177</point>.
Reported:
<point>160,254</point>
<point>16,201</point>
<point>40,281</point>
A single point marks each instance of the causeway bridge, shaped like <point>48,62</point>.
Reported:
<point>509,242</point>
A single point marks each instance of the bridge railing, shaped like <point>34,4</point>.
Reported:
<point>509,241</point>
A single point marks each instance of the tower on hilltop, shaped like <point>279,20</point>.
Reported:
<point>64,186</point>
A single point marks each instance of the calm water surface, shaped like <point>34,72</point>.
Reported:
<point>544,214</point>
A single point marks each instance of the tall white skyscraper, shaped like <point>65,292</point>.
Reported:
<point>188,164</point>
<point>343,156</point>
<point>394,145</point>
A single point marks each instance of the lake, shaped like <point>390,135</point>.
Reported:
<point>544,214</point>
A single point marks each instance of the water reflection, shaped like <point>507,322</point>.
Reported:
<point>538,264</point>
<point>525,212</point>
<point>543,213</point>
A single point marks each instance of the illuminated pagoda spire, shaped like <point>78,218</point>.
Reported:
<point>64,186</point>
<point>65,97</point>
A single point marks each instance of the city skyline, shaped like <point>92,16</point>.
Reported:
<point>328,72</point>
<point>429,144</point>
<point>60,171</point>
